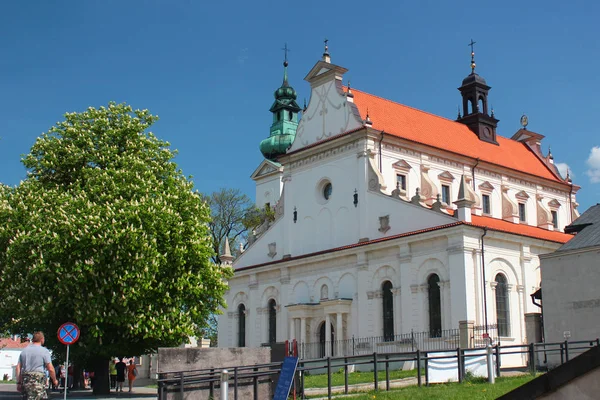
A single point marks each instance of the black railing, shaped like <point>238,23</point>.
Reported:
<point>249,378</point>
<point>440,340</point>
<point>482,335</point>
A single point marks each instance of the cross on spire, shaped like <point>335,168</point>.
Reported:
<point>285,52</point>
<point>326,47</point>
<point>472,44</point>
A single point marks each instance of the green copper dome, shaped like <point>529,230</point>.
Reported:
<point>285,120</point>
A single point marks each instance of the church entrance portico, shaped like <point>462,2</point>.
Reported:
<point>325,323</point>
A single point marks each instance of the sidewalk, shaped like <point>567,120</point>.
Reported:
<point>9,392</point>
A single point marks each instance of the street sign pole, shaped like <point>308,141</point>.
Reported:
<point>66,372</point>
<point>68,333</point>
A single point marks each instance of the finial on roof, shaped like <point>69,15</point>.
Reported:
<point>304,108</point>
<point>459,116</point>
<point>472,44</point>
<point>326,56</point>
<point>524,121</point>
<point>568,178</point>
<point>349,93</point>
<point>285,65</point>
<point>368,121</point>
<point>226,258</point>
<point>550,156</point>
<point>492,112</point>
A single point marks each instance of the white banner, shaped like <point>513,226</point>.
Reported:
<point>442,370</point>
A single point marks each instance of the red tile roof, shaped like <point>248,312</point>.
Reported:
<point>12,344</point>
<point>432,130</point>
<point>477,221</point>
<point>520,229</point>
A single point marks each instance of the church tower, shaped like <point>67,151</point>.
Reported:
<point>474,91</point>
<point>285,119</point>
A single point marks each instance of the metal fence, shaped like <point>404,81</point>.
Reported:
<point>482,335</point>
<point>439,340</point>
<point>178,383</point>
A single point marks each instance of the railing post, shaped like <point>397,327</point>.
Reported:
<point>412,340</point>
<point>224,384</point>
<point>180,384</point>
<point>532,358</point>
<point>329,377</point>
<point>346,375</point>
<point>426,358</point>
<point>302,379</point>
<point>460,377</point>
<point>235,383</point>
<point>497,360</point>
<point>418,367</point>
<point>211,385</point>
<point>490,364</point>
<point>353,346</point>
<point>387,372</point>
<point>255,384</point>
<point>375,371</point>
<point>562,360</point>
<point>566,351</point>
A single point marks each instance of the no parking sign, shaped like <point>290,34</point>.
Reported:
<point>68,333</point>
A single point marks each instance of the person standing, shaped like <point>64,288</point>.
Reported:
<point>131,374</point>
<point>120,367</point>
<point>112,371</point>
<point>30,369</point>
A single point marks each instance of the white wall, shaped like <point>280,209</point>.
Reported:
<point>9,359</point>
<point>570,294</point>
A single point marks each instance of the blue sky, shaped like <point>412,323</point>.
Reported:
<point>209,69</point>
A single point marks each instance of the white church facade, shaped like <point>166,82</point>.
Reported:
<point>389,220</point>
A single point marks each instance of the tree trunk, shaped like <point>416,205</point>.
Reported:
<point>101,376</point>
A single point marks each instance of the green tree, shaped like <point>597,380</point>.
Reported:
<point>108,233</point>
<point>229,210</point>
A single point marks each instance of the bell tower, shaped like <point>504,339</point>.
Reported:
<point>285,118</point>
<point>474,91</point>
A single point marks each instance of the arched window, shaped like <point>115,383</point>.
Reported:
<point>290,115</point>
<point>324,292</point>
<point>435,306</point>
<point>481,105</point>
<point>471,106</point>
<point>502,314</point>
<point>388,311</point>
<point>278,115</point>
<point>241,326</point>
<point>272,321</point>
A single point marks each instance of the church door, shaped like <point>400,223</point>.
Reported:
<point>322,346</point>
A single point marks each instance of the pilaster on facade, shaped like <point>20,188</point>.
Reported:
<point>544,216</point>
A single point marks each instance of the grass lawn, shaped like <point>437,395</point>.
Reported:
<point>337,379</point>
<point>477,388</point>
<point>8,382</point>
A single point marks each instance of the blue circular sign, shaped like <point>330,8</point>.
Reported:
<point>68,333</point>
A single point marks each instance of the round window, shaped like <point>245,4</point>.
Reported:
<point>327,189</point>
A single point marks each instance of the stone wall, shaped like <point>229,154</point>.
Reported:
<point>173,361</point>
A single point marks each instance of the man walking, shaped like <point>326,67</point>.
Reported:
<point>30,369</point>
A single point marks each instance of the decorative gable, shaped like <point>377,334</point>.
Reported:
<point>486,187</point>
<point>266,168</point>
<point>446,177</point>
<point>554,203</point>
<point>522,195</point>
<point>401,165</point>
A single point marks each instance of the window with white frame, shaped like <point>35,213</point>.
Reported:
<point>502,306</point>
<point>485,202</point>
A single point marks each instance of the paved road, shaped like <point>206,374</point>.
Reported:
<point>9,392</point>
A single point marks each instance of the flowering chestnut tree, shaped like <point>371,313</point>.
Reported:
<point>108,233</point>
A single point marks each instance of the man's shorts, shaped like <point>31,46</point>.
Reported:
<point>34,386</point>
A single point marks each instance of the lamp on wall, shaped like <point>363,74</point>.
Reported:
<point>295,214</point>
<point>355,198</point>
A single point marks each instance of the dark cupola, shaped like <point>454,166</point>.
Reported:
<point>474,91</point>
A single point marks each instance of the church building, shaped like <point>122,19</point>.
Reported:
<point>391,220</point>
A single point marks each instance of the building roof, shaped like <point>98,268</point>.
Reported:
<point>9,343</point>
<point>490,223</point>
<point>587,227</point>
<point>435,131</point>
<point>520,229</point>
